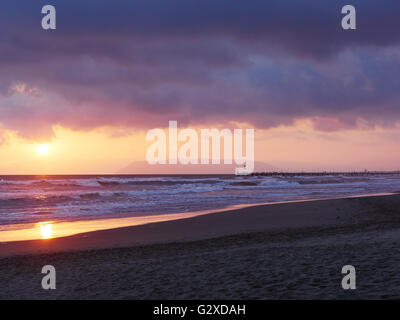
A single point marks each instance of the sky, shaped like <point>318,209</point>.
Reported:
<point>319,97</point>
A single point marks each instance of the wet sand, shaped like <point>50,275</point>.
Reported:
<point>293,250</point>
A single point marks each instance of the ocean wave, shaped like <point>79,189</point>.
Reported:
<point>32,201</point>
<point>15,182</point>
<point>244,183</point>
<point>48,183</point>
<point>94,196</point>
<point>156,182</point>
<point>109,182</point>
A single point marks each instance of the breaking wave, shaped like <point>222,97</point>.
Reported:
<point>29,199</point>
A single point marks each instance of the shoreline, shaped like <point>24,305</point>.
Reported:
<point>202,225</point>
<point>60,229</point>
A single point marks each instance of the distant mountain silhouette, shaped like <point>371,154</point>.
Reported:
<point>142,167</point>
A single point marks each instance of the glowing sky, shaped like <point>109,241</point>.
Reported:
<point>319,97</point>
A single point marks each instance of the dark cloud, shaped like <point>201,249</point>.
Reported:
<point>141,63</point>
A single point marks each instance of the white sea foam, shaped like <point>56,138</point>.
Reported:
<point>25,200</point>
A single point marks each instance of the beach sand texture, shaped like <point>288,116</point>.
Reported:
<point>282,251</point>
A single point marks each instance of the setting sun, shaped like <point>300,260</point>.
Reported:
<point>43,148</point>
<point>47,230</point>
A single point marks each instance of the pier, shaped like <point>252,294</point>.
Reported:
<point>325,173</point>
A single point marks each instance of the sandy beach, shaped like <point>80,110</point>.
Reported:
<point>282,251</point>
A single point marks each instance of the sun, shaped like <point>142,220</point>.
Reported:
<point>47,230</point>
<point>43,148</point>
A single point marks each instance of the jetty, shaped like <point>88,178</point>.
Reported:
<point>325,173</point>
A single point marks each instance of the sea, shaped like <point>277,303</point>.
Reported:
<point>33,199</point>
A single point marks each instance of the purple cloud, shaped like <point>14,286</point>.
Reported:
<point>142,63</point>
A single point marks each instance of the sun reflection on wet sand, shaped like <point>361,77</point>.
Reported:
<point>51,230</point>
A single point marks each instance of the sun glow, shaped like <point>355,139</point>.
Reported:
<point>47,231</point>
<point>43,148</point>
